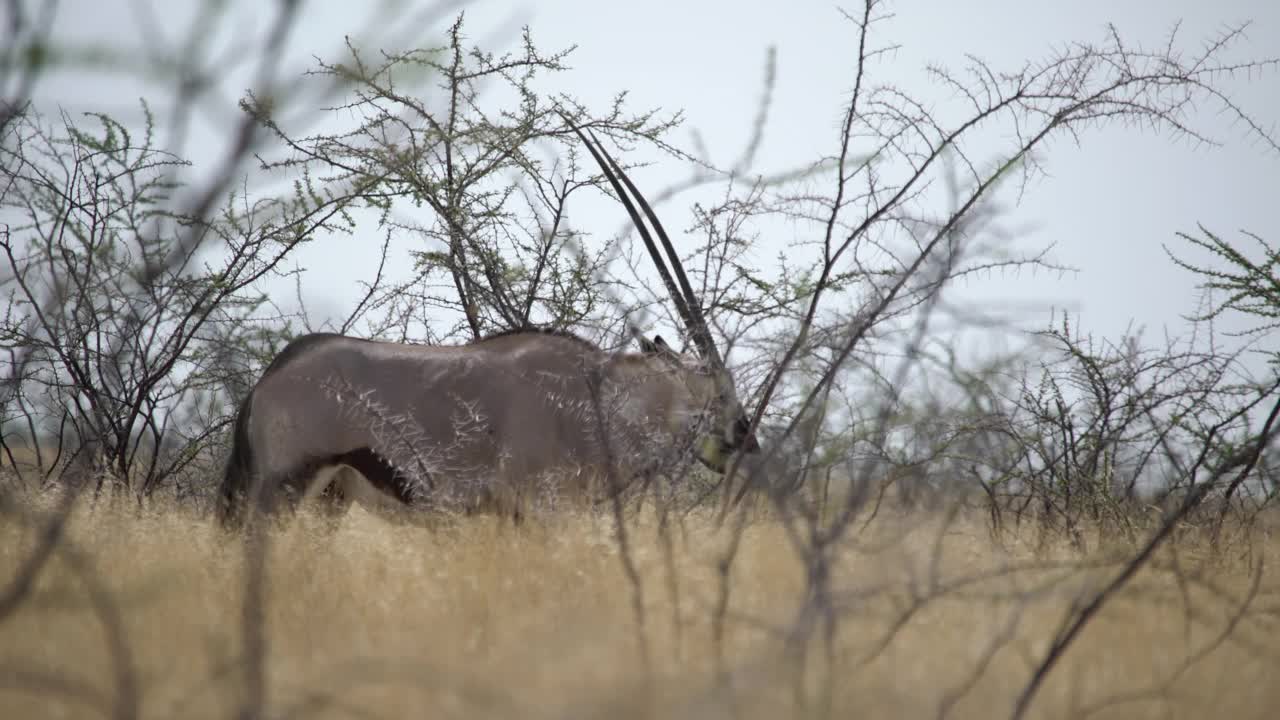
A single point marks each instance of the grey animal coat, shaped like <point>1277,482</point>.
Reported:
<point>515,417</point>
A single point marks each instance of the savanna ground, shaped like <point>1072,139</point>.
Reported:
<point>480,618</point>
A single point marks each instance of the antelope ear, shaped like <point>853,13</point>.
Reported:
<point>647,346</point>
<point>661,344</point>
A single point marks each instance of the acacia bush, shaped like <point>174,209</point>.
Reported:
<point>117,337</point>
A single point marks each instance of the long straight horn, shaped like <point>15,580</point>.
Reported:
<point>681,306</point>
<point>686,301</point>
<point>698,322</point>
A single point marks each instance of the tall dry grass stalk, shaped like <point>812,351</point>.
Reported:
<point>478,618</point>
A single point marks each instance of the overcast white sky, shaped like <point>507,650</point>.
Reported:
<point>1108,206</point>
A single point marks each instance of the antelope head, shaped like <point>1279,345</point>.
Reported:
<point>729,429</point>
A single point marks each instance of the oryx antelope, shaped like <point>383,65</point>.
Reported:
<point>493,422</point>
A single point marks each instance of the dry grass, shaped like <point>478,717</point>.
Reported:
<point>485,620</point>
